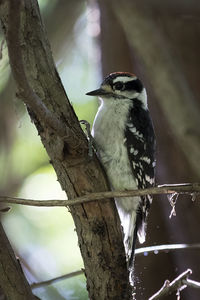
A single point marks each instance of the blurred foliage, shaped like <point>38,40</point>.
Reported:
<point>44,238</point>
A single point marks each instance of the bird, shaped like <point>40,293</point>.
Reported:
<point>125,143</point>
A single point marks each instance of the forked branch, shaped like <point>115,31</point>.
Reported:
<point>178,284</point>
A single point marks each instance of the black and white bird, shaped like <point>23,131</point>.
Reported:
<point>125,142</point>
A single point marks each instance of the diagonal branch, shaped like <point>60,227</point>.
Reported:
<point>183,188</point>
<point>178,284</point>
<point>57,279</point>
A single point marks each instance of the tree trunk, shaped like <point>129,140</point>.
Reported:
<point>39,86</point>
<point>12,280</point>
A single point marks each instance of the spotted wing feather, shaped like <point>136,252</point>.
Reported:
<point>140,141</point>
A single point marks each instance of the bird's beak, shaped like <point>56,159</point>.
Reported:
<point>98,92</point>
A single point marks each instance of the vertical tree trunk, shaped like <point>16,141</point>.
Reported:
<point>39,86</point>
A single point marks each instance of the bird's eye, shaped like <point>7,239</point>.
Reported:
<point>118,86</point>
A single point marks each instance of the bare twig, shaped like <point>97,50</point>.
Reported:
<point>192,283</point>
<point>54,280</point>
<point>164,248</point>
<point>178,284</point>
<point>139,251</point>
<point>183,188</point>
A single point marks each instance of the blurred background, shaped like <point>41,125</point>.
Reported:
<point>157,40</point>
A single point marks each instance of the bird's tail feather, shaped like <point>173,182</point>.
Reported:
<point>133,227</point>
<point>128,220</point>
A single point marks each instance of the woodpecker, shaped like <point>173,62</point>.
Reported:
<point>125,142</point>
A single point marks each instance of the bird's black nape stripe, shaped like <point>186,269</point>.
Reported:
<point>134,85</point>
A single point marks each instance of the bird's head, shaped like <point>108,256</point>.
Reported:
<point>119,86</point>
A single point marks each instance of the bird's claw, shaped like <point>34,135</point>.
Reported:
<point>91,142</point>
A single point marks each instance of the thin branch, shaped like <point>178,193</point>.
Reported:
<point>164,248</point>
<point>177,284</point>
<point>192,283</point>
<point>139,251</point>
<point>183,188</point>
<point>54,280</point>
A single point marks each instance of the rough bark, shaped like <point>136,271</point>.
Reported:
<point>12,280</point>
<point>39,86</point>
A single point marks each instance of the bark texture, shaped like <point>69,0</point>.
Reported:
<point>12,280</point>
<point>39,86</point>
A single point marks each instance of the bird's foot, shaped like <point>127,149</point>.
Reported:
<point>91,141</point>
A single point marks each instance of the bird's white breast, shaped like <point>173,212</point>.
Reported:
<point>108,132</point>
